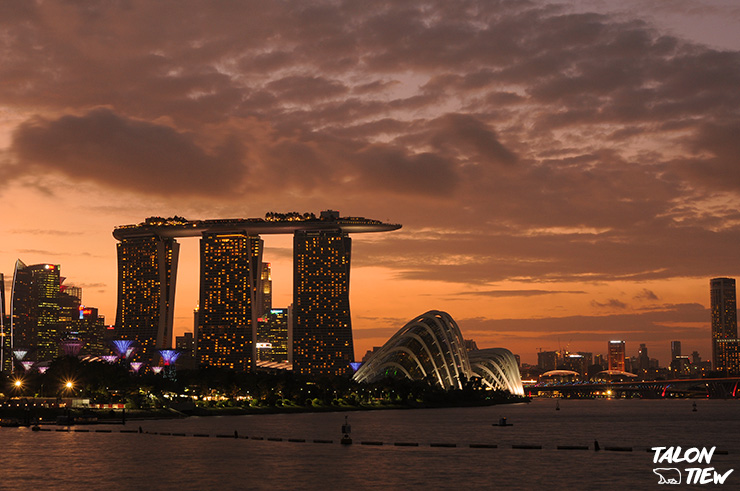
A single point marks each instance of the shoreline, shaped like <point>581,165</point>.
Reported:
<point>85,416</point>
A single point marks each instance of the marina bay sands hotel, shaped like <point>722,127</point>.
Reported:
<point>230,277</point>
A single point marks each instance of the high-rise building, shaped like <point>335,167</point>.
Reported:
<point>264,293</point>
<point>675,349</point>
<point>725,353</point>
<point>322,329</point>
<point>547,360</point>
<point>147,271</point>
<point>35,309</point>
<point>272,335</point>
<point>230,274</point>
<point>643,359</point>
<point>617,356</point>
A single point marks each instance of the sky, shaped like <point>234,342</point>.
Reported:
<point>566,173</point>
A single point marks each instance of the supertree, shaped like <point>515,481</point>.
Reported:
<point>72,347</point>
<point>27,365</point>
<point>169,357</point>
<point>20,354</point>
<point>109,358</point>
<point>156,370</point>
<point>136,366</point>
<point>124,348</point>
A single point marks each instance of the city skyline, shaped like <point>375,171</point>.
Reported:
<point>565,173</point>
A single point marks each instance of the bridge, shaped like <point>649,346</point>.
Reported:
<point>718,388</point>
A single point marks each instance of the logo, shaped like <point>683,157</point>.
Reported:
<point>694,475</point>
<point>668,475</point>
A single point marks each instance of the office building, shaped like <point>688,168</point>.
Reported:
<point>548,360</point>
<point>147,270</point>
<point>322,328</point>
<point>272,336</point>
<point>723,300</point>
<point>675,349</point>
<point>264,293</point>
<point>616,360</point>
<point>230,270</point>
<point>643,359</point>
<point>35,310</point>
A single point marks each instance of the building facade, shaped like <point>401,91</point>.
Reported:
<point>230,273</point>
<point>272,336</point>
<point>322,328</point>
<point>723,300</point>
<point>35,323</point>
<point>147,273</point>
<point>616,360</point>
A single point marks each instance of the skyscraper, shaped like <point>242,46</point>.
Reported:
<point>643,360</point>
<point>147,270</point>
<point>272,335</point>
<point>230,274</point>
<point>725,356</point>
<point>616,355</point>
<point>322,329</point>
<point>264,293</point>
<point>675,349</point>
<point>35,309</point>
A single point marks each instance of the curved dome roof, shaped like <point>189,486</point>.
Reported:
<point>498,369</point>
<point>431,347</point>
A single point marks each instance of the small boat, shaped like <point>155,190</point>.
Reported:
<point>502,422</point>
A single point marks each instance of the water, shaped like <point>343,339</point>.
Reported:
<point>57,460</point>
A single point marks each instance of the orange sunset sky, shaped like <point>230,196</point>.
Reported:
<point>566,173</point>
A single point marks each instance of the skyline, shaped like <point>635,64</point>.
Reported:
<point>562,180</point>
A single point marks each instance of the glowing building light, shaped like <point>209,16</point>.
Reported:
<point>123,347</point>
<point>109,358</point>
<point>156,370</point>
<point>27,365</point>
<point>20,354</point>
<point>169,356</point>
<point>136,366</point>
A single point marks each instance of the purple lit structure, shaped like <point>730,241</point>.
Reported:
<point>169,356</point>
<point>20,354</point>
<point>72,347</point>
<point>124,348</point>
<point>42,369</point>
<point>156,370</point>
<point>28,365</point>
<point>136,366</point>
<point>109,358</point>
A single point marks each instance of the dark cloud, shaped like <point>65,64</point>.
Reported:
<point>646,295</point>
<point>612,303</point>
<point>104,147</point>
